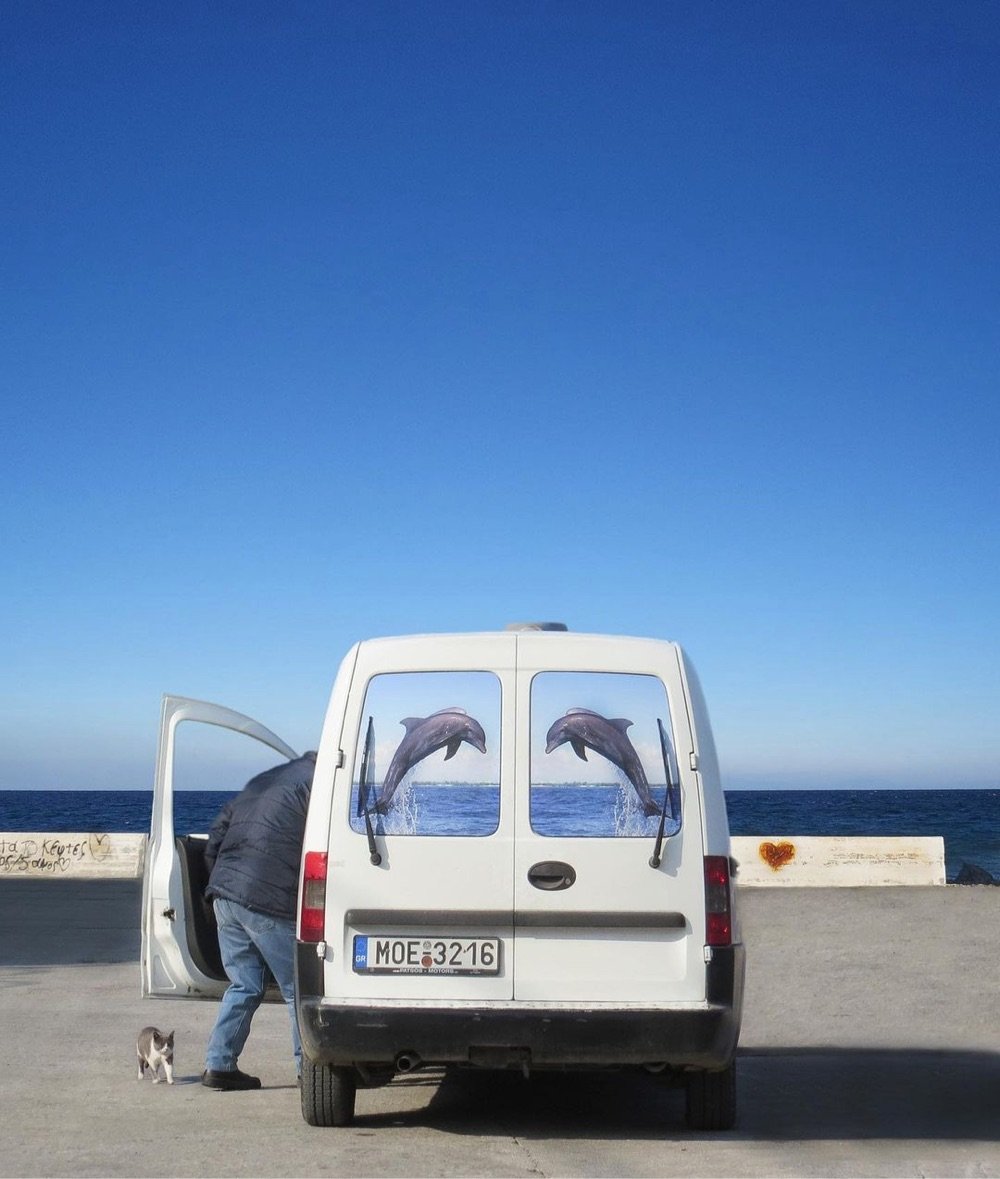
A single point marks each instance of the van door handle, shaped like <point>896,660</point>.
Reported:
<point>551,875</point>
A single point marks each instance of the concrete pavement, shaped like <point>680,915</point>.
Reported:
<point>871,1046</point>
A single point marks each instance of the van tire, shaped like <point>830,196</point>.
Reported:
<point>711,1099</point>
<point>328,1094</point>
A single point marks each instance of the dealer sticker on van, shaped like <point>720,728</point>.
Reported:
<point>426,955</point>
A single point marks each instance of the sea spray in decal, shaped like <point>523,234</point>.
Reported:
<point>403,818</point>
<point>630,817</point>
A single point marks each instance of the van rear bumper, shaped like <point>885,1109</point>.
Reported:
<point>553,1037</point>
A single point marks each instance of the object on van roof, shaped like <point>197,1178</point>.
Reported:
<point>536,626</point>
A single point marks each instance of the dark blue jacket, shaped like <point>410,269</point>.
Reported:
<point>255,844</point>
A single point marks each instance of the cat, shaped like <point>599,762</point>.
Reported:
<point>154,1049</point>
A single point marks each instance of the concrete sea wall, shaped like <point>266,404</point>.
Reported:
<point>848,861</point>
<point>99,855</point>
<point>764,861</point>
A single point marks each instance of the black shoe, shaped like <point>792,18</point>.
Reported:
<point>228,1079</point>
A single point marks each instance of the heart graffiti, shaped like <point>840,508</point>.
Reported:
<point>777,855</point>
<point>100,846</point>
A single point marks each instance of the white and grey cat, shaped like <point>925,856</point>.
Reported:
<point>155,1048</point>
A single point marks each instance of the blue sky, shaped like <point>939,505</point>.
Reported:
<point>324,321</point>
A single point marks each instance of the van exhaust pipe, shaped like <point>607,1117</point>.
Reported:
<point>406,1062</point>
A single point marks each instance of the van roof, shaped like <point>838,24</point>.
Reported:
<point>556,638</point>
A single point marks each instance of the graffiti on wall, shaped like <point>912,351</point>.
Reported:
<point>777,855</point>
<point>52,854</point>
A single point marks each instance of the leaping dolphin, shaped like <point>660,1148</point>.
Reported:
<point>584,729</point>
<point>446,729</point>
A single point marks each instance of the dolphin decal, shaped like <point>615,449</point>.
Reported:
<point>585,730</point>
<point>446,729</point>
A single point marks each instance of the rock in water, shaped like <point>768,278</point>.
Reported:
<point>973,874</point>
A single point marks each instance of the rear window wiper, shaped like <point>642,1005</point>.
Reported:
<point>363,790</point>
<point>671,798</point>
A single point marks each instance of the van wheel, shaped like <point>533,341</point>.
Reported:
<point>711,1099</point>
<point>328,1094</point>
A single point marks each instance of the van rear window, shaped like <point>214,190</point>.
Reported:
<point>602,756</point>
<point>428,758</point>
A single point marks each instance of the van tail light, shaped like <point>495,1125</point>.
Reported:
<point>718,903</point>
<point>312,915</point>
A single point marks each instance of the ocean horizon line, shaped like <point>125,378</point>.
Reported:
<point>770,789</point>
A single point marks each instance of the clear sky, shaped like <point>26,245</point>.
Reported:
<point>330,320</point>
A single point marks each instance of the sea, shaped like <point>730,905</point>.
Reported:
<point>969,820</point>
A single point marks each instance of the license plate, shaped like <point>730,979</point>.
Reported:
<point>426,955</point>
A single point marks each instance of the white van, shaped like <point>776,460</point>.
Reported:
<point>516,856</point>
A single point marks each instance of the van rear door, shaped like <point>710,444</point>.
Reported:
<point>603,755</point>
<point>179,952</point>
<point>419,896</point>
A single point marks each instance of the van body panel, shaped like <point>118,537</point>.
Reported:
<point>710,792</point>
<point>621,953</point>
<point>329,760</point>
<point>423,878</point>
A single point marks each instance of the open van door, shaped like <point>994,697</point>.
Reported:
<point>180,951</point>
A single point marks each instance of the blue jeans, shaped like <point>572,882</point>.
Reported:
<point>248,942</point>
